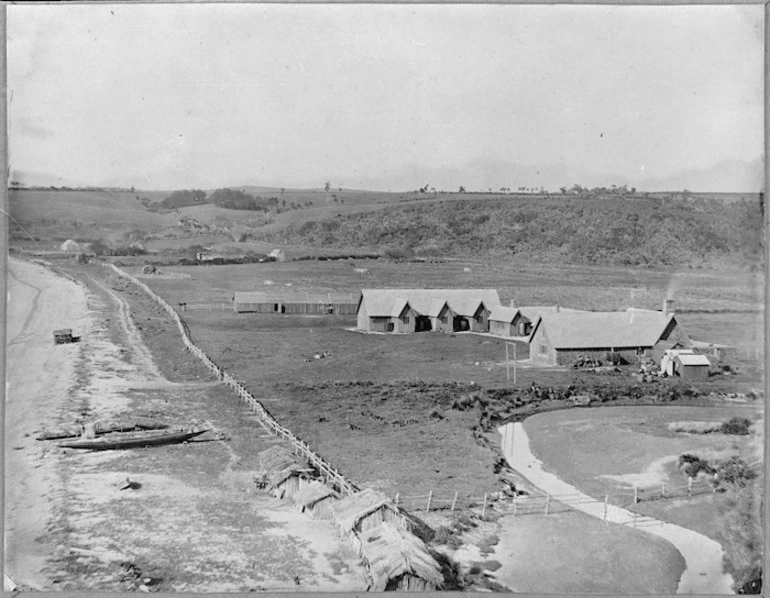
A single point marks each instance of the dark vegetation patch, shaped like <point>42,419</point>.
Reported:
<point>641,232</point>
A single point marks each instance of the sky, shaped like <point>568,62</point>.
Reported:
<point>387,97</point>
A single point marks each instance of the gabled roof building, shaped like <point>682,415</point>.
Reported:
<point>560,338</point>
<point>419,310</point>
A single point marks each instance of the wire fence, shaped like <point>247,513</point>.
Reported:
<point>333,477</point>
<point>615,506</point>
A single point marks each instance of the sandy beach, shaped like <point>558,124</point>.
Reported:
<point>39,375</point>
<point>195,522</point>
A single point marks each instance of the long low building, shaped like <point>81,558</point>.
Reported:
<point>297,302</point>
<point>559,338</point>
<point>422,310</point>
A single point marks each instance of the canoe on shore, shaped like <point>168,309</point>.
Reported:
<point>126,440</point>
<point>101,428</point>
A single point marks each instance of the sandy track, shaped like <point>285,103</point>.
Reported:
<point>704,573</point>
<point>39,375</point>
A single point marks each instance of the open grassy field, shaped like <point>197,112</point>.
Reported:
<point>595,557</point>
<point>609,450</point>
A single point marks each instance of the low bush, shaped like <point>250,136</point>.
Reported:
<point>696,427</point>
<point>737,425</point>
<point>735,471</point>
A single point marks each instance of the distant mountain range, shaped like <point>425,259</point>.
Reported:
<point>482,175</point>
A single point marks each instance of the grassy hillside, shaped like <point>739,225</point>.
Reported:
<point>638,232</point>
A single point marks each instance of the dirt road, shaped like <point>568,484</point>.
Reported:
<point>39,375</point>
<point>704,573</point>
<point>193,521</point>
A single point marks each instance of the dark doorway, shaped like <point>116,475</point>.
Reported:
<point>422,324</point>
<point>283,309</point>
<point>460,324</point>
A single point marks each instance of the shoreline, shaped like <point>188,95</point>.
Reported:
<point>39,302</point>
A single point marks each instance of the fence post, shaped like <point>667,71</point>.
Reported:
<point>515,507</point>
<point>689,486</point>
<point>606,498</point>
<point>636,496</point>
<point>547,502</point>
<point>430,495</point>
<point>484,507</point>
<point>396,498</point>
<point>663,491</point>
<point>454,502</point>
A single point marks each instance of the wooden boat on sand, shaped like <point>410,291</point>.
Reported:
<point>101,428</point>
<point>127,440</point>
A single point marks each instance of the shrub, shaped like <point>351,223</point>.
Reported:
<point>692,465</point>
<point>737,425</point>
<point>448,537</point>
<point>735,471</point>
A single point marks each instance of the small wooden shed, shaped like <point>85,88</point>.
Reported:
<point>399,561</point>
<point>314,498</point>
<point>366,510</point>
<point>284,474</point>
<point>692,366</point>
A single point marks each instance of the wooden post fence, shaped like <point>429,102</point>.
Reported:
<point>454,502</point>
<point>430,495</point>
<point>636,494</point>
<point>484,507</point>
<point>689,486</point>
<point>547,502</point>
<point>396,498</point>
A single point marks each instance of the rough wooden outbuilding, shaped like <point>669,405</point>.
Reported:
<point>315,498</point>
<point>399,561</point>
<point>307,303</point>
<point>283,473</point>
<point>366,510</point>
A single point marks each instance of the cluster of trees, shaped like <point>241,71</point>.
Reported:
<point>645,232</point>
<point>613,190</point>
<point>232,199</point>
<point>184,198</point>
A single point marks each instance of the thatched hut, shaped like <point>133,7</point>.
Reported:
<point>315,497</point>
<point>366,510</point>
<point>399,561</point>
<point>284,474</point>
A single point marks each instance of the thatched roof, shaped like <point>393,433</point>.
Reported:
<point>279,464</point>
<point>393,552</point>
<point>350,510</point>
<point>312,493</point>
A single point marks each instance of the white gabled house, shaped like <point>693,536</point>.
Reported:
<point>422,310</point>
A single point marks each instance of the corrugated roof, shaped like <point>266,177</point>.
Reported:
<point>428,302</point>
<point>692,359</point>
<point>588,329</point>
<point>294,297</point>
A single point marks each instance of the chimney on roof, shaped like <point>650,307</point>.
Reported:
<point>668,308</point>
<point>513,303</point>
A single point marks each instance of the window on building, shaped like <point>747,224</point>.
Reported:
<point>444,319</point>
<point>406,319</point>
<point>380,320</point>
